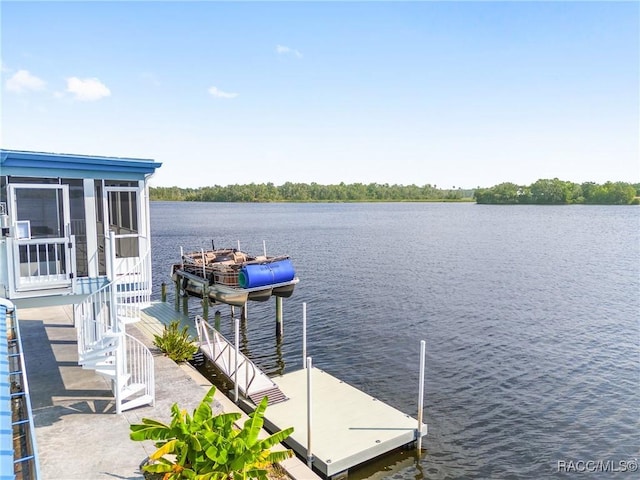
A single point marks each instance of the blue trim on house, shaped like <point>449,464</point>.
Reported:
<point>32,164</point>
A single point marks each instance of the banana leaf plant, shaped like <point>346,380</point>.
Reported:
<point>204,446</point>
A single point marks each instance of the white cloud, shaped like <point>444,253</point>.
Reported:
<point>215,92</point>
<point>282,50</point>
<point>87,89</point>
<point>22,81</point>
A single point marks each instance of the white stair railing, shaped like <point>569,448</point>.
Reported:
<point>103,344</point>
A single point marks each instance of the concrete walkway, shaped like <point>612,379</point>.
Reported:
<point>78,434</point>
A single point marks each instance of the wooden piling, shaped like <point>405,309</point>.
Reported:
<point>205,302</point>
<point>243,313</point>
<point>163,292</point>
<point>185,304</point>
<point>279,321</point>
<point>177,295</point>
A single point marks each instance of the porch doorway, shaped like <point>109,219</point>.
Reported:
<point>119,212</point>
<point>43,247</point>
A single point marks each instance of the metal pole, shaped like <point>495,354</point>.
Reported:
<point>264,247</point>
<point>238,245</point>
<point>309,452</point>
<point>235,373</point>
<point>421,396</point>
<point>304,334</point>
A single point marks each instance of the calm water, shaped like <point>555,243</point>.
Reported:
<point>530,314</point>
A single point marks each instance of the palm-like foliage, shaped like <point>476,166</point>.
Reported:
<point>176,342</point>
<point>204,446</point>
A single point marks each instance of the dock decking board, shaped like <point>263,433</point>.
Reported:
<point>157,315</point>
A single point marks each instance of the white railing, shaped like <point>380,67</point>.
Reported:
<point>223,354</point>
<point>102,342</point>
<point>94,320</point>
<point>133,287</point>
<point>139,373</point>
<point>43,263</point>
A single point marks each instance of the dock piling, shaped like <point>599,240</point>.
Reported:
<point>177,295</point>
<point>163,292</point>
<point>279,322</point>
<point>243,312</point>
<point>217,316</point>
<point>185,303</point>
<point>205,302</point>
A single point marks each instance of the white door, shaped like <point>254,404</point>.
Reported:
<point>44,251</point>
<point>123,212</point>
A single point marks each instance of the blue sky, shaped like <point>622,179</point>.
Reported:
<point>457,94</point>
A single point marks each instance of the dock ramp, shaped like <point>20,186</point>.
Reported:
<point>252,382</point>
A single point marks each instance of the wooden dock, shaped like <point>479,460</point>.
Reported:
<point>349,427</point>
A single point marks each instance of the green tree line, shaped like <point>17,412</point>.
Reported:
<point>559,192</point>
<point>543,191</point>
<point>314,192</point>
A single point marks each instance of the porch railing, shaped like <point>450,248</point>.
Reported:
<point>43,263</point>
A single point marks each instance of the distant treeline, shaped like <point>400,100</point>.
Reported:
<point>544,191</point>
<point>559,192</point>
<point>303,192</point>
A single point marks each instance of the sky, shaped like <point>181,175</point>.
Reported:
<point>452,94</point>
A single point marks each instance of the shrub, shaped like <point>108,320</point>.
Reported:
<point>207,446</point>
<point>176,342</point>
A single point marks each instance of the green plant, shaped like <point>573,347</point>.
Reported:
<point>204,446</point>
<point>176,342</point>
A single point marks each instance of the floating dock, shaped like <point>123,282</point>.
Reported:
<point>349,427</point>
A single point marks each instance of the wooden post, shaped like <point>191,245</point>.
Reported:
<point>243,313</point>
<point>185,303</point>
<point>279,322</point>
<point>217,320</point>
<point>177,302</point>
<point>233,311</point>
<point>205,302</point>
<point>163,291</point>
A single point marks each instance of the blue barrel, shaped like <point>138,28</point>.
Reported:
<point>251,276</point>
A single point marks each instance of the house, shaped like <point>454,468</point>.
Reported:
<point>74,229</point>
<point>56,214</point>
